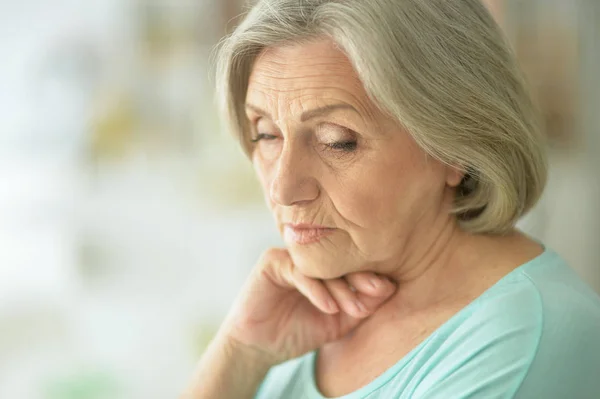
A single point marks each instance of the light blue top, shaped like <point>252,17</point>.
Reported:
<point>534,334</point>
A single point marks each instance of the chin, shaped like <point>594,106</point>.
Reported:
<point>317,263</point>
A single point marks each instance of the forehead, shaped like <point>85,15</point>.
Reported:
<point>307,72</point>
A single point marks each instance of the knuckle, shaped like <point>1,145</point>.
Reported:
<point>276,263</point>
<point>272,255</point>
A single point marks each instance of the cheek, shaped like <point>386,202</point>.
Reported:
<point>368,195</point>
<point>382,195</point>
<point>369,205</point>
<point>265,177</point>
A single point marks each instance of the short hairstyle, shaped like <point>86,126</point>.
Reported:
<point>441,68</point>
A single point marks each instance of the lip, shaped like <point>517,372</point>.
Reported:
<point>304,234</point>
<point>305,226</point>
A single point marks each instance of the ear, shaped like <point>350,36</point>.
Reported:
<point>454,175</point>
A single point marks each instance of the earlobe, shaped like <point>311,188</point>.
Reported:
<point>454,175</point>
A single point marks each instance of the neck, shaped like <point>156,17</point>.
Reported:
<point>430,258</point>
<point>440,260</point>
<point>425,251</point>
<point>455,265</point>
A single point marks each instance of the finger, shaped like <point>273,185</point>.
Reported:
<point>316,292</point>
<point>373,302</point>
<point>280,269</point>
<point>346,298</point>
<point>370,283</point>
<point>277,265</point>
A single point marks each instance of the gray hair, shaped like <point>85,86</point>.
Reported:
<point>441,68</point>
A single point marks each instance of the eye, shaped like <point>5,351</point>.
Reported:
<point>263,136</point>
<point>345,146</point>
<point>337,138</point>
<point>269,146</point>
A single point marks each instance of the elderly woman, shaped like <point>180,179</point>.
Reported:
<point>397,146</point>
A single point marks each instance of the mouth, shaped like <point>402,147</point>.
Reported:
<point>304,234</point>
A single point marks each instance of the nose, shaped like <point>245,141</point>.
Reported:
<point>293,182</point>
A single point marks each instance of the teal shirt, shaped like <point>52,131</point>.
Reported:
<point>534,334</point>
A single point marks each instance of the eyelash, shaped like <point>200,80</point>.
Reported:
<point>345,146</point>
<point>263,136</point>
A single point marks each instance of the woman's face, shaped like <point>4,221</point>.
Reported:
<point>349,188</point>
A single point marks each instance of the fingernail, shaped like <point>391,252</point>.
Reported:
<point>362,308</point>
<point>332,305</point>
<point>375,283</point>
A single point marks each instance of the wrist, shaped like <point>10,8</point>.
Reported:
<point>245,355</point>
<point>228,369</point>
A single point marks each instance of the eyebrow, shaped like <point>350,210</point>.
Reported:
<point>310,114</point>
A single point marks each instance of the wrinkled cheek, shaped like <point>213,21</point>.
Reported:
<point>361,209</point>
<point>371,220</point>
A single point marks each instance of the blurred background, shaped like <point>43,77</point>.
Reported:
<point>129,218</point>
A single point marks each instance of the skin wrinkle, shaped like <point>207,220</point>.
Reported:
<point>315,113</point>
<point>271,99</point>
<point>327,188</point>
<point>279,86</point>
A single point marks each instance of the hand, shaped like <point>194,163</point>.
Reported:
<point>283,314</point>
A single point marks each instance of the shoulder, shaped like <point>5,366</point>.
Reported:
<point>545,297</point>
<point>536,322</point>
<point>488,347</point>
<point>561,290</point>
<point>567,361</point>
<point>569,308</point>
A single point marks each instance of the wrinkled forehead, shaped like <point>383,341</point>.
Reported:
<point>288,79</point>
